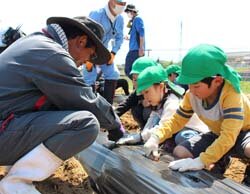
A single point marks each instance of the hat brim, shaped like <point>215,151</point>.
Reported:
<point>133,72</point>
<point>127,10</point>
<point>102,53</point>
<point>182,79</point>
<point>178,89</point>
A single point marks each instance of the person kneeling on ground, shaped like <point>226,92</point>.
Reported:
<point>164,97</point>
<point>139,107</point>
<point>214,94</point>
<point>121,83</point>
<point>48,114</point>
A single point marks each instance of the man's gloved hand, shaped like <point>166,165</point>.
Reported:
<point>89,66</point>
<point>129,139</point>
<point>151,146</point>
<point>116,133</point>
<point>187,164</point>
<point>112,58</point>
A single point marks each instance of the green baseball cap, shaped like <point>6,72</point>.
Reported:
<point>173,69</point>
<point>142,63</point>
<point>205,61</point>
<point>152,75</point>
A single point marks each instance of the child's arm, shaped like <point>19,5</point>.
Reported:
<point>170,127</point>
<point>230,128</point>
<point>177,121</point>
<point>157,119</point>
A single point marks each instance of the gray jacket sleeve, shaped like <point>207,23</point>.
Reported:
<point>60,80</point>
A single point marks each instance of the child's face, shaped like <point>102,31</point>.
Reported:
<point>134,80</point>
<point>154,94</point>
<point>204,92</point>
<point>172,77</point>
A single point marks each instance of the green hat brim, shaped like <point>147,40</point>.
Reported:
<point>179,90</point>
<point>182,79</point>
<point>133,72</point>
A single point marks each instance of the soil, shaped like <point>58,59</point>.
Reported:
<point>71,178</point>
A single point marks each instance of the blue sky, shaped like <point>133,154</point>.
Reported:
<point>220,22</point>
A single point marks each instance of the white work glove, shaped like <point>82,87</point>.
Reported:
<point>129,139</point>
<point>151,146</point>
<point>145,134</point>
<point>187,164</point>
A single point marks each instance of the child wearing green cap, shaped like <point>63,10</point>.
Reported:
<point>163,97</point>
<point>214,95</point>
<point>173,72</point>
<point>139,107</point>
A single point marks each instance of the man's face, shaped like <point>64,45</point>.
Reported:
<point>122,3</point>
<point>79,51</point>
<point>117,7</point>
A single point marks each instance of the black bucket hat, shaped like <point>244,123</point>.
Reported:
<point>92,29</point>
<point>131,7</point>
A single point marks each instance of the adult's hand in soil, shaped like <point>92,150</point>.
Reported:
<point>186,164</point>
<point>129,139</point>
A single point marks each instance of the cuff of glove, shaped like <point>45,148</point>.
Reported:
<point>145,135</point>
<point>155,138</point>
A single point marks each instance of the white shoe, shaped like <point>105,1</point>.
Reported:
<point>36,165</point>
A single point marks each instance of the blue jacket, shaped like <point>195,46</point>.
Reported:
<point>137,31</point>
<point>111,31</point>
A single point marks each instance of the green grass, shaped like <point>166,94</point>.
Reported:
<point>245,87</point>
<point>242,69</point>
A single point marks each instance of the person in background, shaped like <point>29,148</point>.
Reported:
<point>164,98</point>
<point>214,95</point>
<point>121,83</point>
<point>112,21</point>
<point>8,36</point>
<point>47,113</point>
<point>173,72</point>
<point>136,38</point>
<point>139,107</point>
